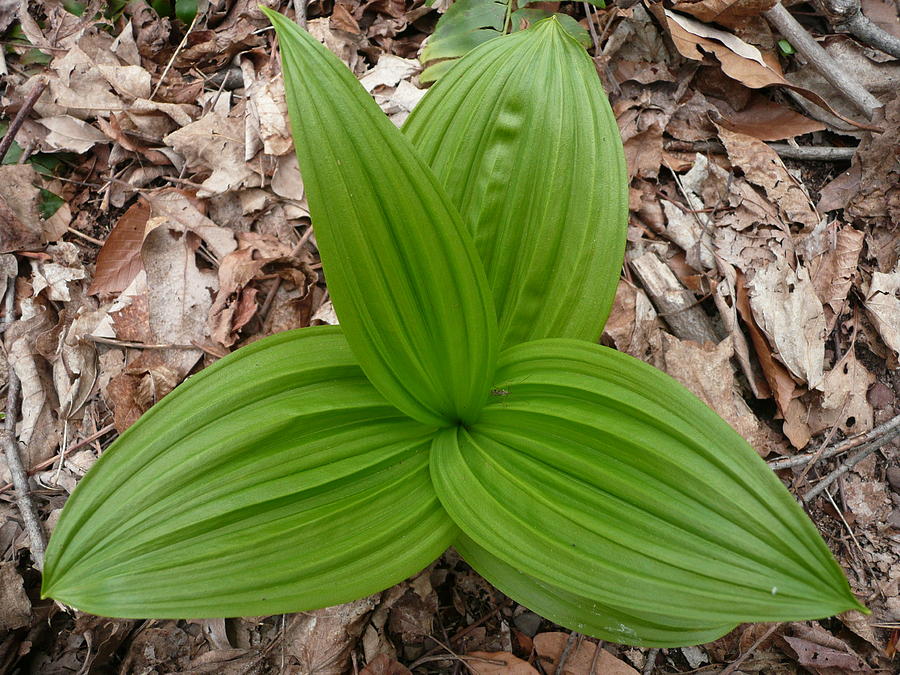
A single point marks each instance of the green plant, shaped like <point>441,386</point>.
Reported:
<point>469,23</point>
<point>320,465</point>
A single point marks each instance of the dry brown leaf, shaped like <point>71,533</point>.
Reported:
<point>739,60</point>
<point>320,642</point>
<point>58,277</point>
<point>498,663</point>
<point>119,260</point>
<point>384,665</point>
<point>822,659</point>
<point>188,213</point>
<point>179,292</point>
<point>19,212</point>
<point>832,266</point>
<point>883,306</point>
<point>844,403</point>
<point>633,326</point>
<point>70,134</point>
<point>780,381</point>
<point>587,658</point>
<point>706,370</point>
<point>878,197</point>
<point>15,607</point>
<point>726,12</point>
<point>215,144</point>
<point>267,110</point>
<point>788,311</point>
<point>766,120</point>
<point>763,167</point>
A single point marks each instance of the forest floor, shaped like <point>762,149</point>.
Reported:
<point>762,270</point>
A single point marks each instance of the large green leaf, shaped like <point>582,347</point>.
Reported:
<point>522,137</point>
<point>604,478</point>
<point>406,280</point>
<point>585,615</point>
<point>274,481</point>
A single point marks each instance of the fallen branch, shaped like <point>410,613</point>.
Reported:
<point>830,69</point>
<point>883,433</point>
<point>19,119</point>
<point>848,464</point>
<point>806,153</point>
<point>650,661</point>
<point>847,16</point>
<point>11,450</point>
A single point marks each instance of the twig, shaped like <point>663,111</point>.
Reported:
<point>267,303</point>
<point>594,38</point>
<point>300,12</point>
<point>743,657</point>
<point>806,153</point>
<point>848,464</point>
<point>847,15</point>
<point>885,433</point>
<point>174,55</point>
<point>19,119</point>
<point>11,449</point>
<point>86,237</point>
<point>72,448</point>
<point>650,661</point>
<point>830,69</point>
<point>574,638</point>
<point>134,345</point>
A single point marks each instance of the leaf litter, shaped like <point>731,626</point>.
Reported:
<point>185,234</point>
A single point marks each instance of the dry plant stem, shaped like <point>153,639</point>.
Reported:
<point>11,450</point>
<point>72,448</point>
<point>806,153</point>
<point>848,464</point>
<point>847,15</point>
<point>19,119</point>
<point>743,657</point>
<point>830,69</point>
<point>650,662</point>
<point>883,433</point>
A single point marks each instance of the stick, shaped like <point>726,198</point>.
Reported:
<point>743,657</point>
<point>846,15</point>
<point>19,119</point>
<point>172,60</point>
<point>11,449</point>
<point>650,662</point>
<point>300,9</point>
<point>573,638</point>
<point>788,26</point>
<point>807,153</point>
<point>848,464</point>
<point>889,430</point>
<point>676,304</point>
<point>72,448</point>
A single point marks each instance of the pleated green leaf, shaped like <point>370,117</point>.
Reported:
<point>407,283</point>
<point>276,480</point>
<point>582,614</point>
<point>603,478</point>
<point>522,137</point>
